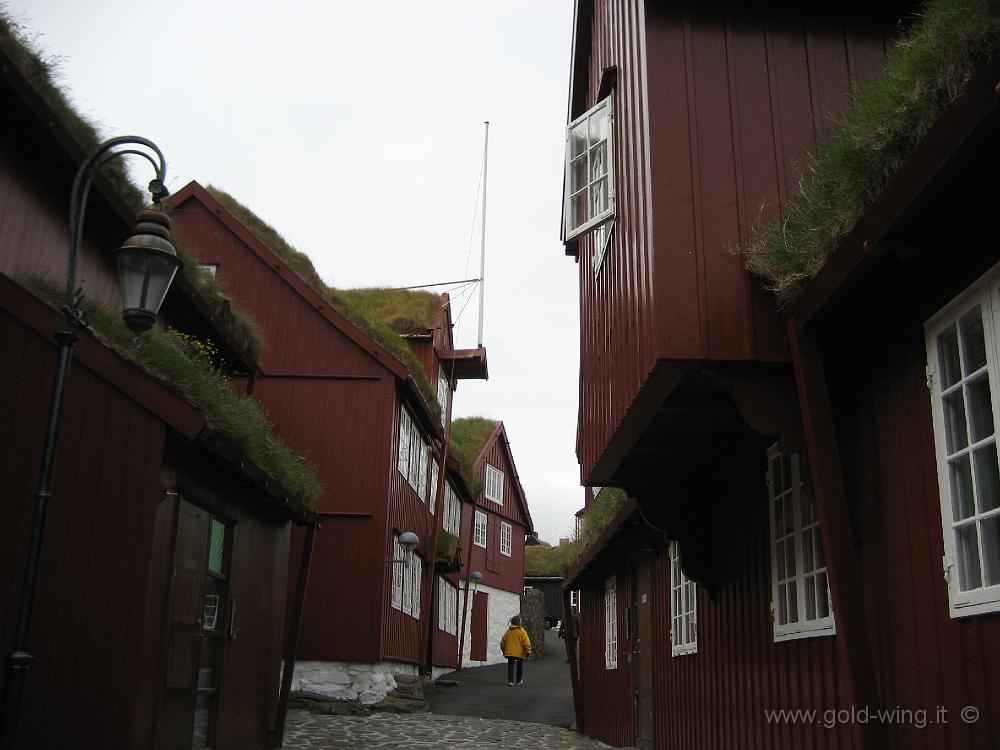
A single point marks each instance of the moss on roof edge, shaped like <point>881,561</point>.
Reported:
<point>925,72</point>
<point>239,418</point>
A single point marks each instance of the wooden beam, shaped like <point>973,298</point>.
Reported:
<point>842,555</point>
<point>571,638</point>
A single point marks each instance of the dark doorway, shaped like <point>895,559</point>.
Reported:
<point>642,668</point>
<point>195,630</point>
<point>480,618</point>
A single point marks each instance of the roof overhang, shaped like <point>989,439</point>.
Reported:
<point>467,364</point>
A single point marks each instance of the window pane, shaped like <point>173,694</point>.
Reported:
<point>973,342</point>
<point>598,161</point>
<point>779,554</point>
<point>818,547</point>
<point>578,209</point>
<point>779,527</point>
<point>810,598</point>
<point>598,197</point>
<point>807,551</point>
<point>578,174</point>
<point>578,139</point>
<point>963,504</point>
<point>217,548</point>
<point>991,549</point>
<point>980,407</point>
<point>987,478</point>
<point>948,361</point>
<point>782,605</point>
<point>793,602</point>
<point>789,518</point>
<point>777,477</point>
<point>967,543</point>
<point>790,557</point>
<point>956,436</point>
<point>599,126</point>
<point>808,510</point>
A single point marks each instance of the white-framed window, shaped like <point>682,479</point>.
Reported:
<point>800,594</point>
<point>443,391</point>
<point>506,538</point>
<point>452,510</point>
<point>406,579</point>
<point>683,607</point>
<point>575,601</point>
<point>963,366</point>
<point>447,606</point>
<point>494,484</point>
<point>212,269</point>
<point>479,535</point>
<point>589,180</point>
<point>413,455</point>
<point>602,241</point>
<point>610,624</point>
<point>432,490</point>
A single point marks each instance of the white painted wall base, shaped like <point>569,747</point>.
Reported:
<point>366,683</point>
<point>502,606</point>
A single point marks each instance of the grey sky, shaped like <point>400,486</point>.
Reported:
<point>355,129</point>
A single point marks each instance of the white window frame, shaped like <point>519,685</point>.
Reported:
<point>479,534</point>
<point>683,607</point>
<point>398,573</point>
<point>602,241</point>
<point>433,488</point>
<point>443,392</point>
<point>795,543</point>
<point>407,578</point>
<point>413,454</point>
<point>506,539</point>
<point>493,486</point>
<point>984,294</point>
<point>603,109</point>
<point>611,623</point>
<point>452,510</point>
<point>447,606</point>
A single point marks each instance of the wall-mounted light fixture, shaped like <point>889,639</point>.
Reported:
<point>408,541</point>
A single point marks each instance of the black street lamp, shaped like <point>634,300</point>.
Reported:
<point>147,263</point>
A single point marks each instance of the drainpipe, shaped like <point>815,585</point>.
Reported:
<point>292,639</point>
<point>437,523</point>
<point>468,574</point>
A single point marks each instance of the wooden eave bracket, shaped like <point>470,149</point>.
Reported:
<point>930,166</point>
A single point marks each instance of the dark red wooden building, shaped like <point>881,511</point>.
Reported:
<point>159,612</point>
<point>795,487</point>
<point>335,392</point>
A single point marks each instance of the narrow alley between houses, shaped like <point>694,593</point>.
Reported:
<point>470,708</point>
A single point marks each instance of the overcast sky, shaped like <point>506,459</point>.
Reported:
<point>356,130</point>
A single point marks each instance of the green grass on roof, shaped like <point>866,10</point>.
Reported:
<point>400,308</point>
<point>468,436</point>
<point>238,417</point>
<point>364,316</point>
<point>924,73</point>
<point>42,74</point>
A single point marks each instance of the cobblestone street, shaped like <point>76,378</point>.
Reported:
<point>403,731</point>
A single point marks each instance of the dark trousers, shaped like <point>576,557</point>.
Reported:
<point>514,664</point>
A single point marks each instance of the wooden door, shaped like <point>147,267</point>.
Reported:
<point>642,656</point>
<point>198,603</point>
<point>480,618</point>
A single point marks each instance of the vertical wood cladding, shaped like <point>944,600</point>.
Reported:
<point>716,115</point>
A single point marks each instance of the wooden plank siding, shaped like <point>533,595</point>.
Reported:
<point>716,114</point>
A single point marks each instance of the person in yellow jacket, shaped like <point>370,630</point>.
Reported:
<point>516,646</point>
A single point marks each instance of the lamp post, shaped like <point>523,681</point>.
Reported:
<point>147,263</point>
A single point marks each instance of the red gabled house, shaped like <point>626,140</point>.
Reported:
<point>498,524</point>
<point>811,536</point>
<point>356,397</point>
<point>158,616</point>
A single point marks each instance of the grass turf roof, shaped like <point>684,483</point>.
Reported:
<point>239,418</point>
<point>468,436</point>
<point>924,73</point>
<point>364,316</point>
<point>403,309</point>
<point>42,75</point>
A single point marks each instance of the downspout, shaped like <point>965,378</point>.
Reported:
<point>292,639</point>
<point>431,572</point>
<point>468,574</point>
<point>571,638</point>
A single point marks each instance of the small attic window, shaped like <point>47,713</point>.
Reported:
<point>212,269</point>
<point>589,182</point>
